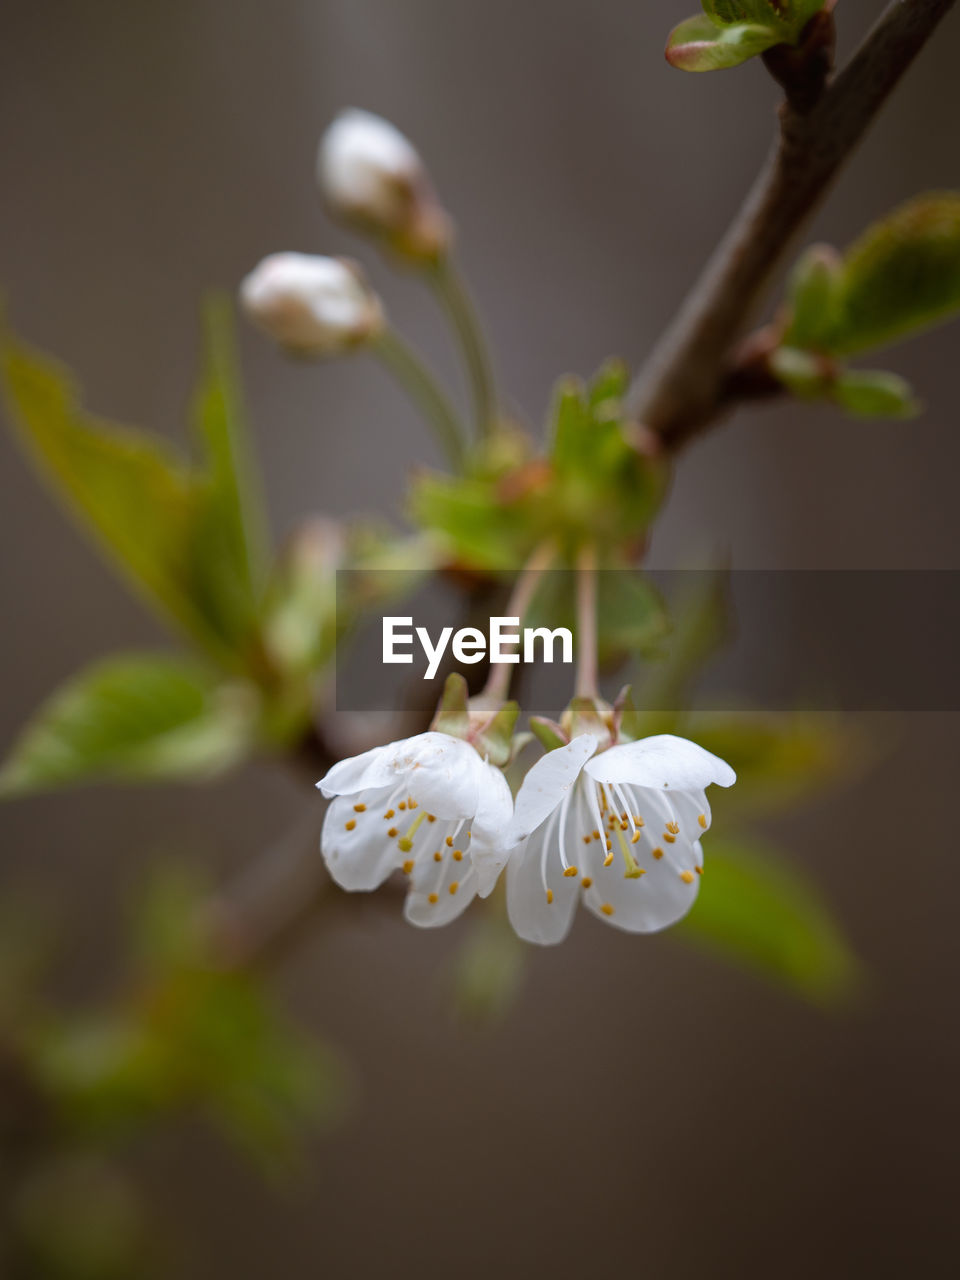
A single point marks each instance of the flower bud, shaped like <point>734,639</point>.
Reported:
<point>312,306</point>
<point>372,176</point>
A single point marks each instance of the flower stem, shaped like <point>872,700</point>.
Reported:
<point>409,370</point>
<point>586,686</point>
<point>451,289</point>
<point>524,589</point>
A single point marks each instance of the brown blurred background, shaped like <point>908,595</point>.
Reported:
<point>643,1110</point>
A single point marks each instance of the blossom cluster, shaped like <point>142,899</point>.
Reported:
<point>616,827</point>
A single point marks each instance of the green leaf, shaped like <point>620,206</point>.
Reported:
<point>902,275</point>
<point>765,915</point>
<point>802,373</point>
<point>548,733</point>
<point>700,44</point>
<point>231,545</point>
<point>140,499</point>
<point>791,15</point>
<point>495,740</point>
<point>150,716</point>
<point>875,394</point>
<point>453,716</point>
<point>488,971</point>
<point>631,614</point>
<point>815,295</point>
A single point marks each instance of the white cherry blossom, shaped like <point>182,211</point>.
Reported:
<point>312,305</point>
<point>617,829</point>
<point>428,806</point>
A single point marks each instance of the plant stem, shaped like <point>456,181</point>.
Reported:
<point>409,370</point>
<point>680,389</point>
<point>586,685</point>
<point>524,589</point>
<point>455,299</point>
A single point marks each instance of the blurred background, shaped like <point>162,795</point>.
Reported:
<point>642,1106</point>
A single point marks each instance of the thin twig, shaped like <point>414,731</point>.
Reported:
<point>681,388</point>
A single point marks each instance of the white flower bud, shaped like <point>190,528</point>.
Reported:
<point>372,176</point>
<point>310,305</point>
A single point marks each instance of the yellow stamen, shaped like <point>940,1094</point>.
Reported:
<point>658,854</point>
<point>388,815</point>
<point>669,837</point>
<point>608,860</point>
<point>549,897</point>
<point>449,842</point>
<point>687,877</point>
<point>393,832</point>
<point>635,837</point>
<point>402,804</point>
<point>359,808</point>
<point>570,871</point>
<point>408,866</point>
<point>431,817</point>
<point>411,803</point>
<point>703,821</point>
<point>455,886</point>
<point>432,899</point>
<point>438,856</point>
<point>698,870</point>
<point>458,855</point>
<point>674,827</point>
<point>607,909</point>
<point>586,882</point>
<point>351,824</point>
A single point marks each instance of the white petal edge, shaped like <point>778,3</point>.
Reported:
<point>662,761</point>
<point>546,784</point>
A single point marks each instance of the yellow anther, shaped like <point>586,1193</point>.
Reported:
<point>624,825</point>
<point>408,866</point>
<point>658,854</point>
<point>458,855</point>
<point>595,834</point>
<point>411,803</point>
<point>703,821</point>
<point>570,871</point>
<point>431,817</point>
<point>674,827</point>
<point>549,897</point>
<point>438,856</point>
<point>635,837</point>
<point>687,877</point>
<point>698,870</point>
<point>359,808</point>
<point>455,886</point>
<point>637,820</point>
<point>388,815</point>
<point>607,909</point>
<point>402,804</point>
<point>449,842</point>
<point>393,832</point>
<point>608,845</point>
<point>669,837</point>
<point>351,824</point>
<point>432,899</point>
<point>608,860</point>
<point>587,839</point>
<point>586,882</point>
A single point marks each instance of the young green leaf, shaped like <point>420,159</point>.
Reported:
<point>759,912</point>
<point>875,394</point>
<point>815,297</point>
<point>230,539</point>
<point>701,44</point>
<point>902,275</point>
<point>138,717</point>
<point>140,499</point>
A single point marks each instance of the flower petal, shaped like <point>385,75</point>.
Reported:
<point>546,784</point>
<point>662,761</point>
<point>356,849</point>
<point>349,776</point>
<point>541,900</point>
<point>488,847</point>
<point>653,900</point>
<point>440,893</point>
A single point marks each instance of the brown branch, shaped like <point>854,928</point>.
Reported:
<point>683,386</point>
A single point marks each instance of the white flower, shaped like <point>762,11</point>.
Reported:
<point>428,806</point>
<point>620,829</point>
<point>312,305</point>
<point>370,174</point>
